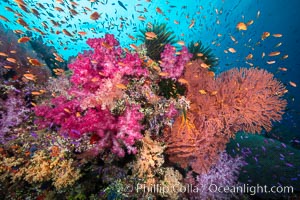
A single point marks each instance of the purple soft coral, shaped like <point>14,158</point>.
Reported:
<point>172,64</point>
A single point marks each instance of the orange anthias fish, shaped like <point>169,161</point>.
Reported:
<point>95,16</point>
<point>58,71</point>
<point>150,35</point>
<point>158,10</point>
<point>192,23</point>
<point>22,22</point>
<point>241,26</point>
<point>35,62</point>
<point>30,77</point>
<point>265,35</point>
<point>23,39</point>
<point>232,50</point>
<point>81,33</point>
<point>12,60</point>
<point>293,84</point>
<point>4,18</point>
<point>275,53</point>
<point>277,35</point>
<point>67,33</point>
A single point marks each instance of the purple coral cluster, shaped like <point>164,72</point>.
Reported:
<point>13,112</point>
<point>90,72</point>
<point>223,174</point>
<point>172,64</point>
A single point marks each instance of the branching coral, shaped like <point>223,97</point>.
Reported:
<point>238,100</point>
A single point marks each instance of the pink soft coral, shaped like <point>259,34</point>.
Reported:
<point>91,97</point>
<point>172,64</point>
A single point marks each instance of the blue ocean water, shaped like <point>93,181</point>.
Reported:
<point>214,24</point>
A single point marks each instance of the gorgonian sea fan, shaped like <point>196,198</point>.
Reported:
<point>92,71</point>
<point>238,100</point>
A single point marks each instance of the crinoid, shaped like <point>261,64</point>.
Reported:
<point>199,51</point>
<point>155,45</point>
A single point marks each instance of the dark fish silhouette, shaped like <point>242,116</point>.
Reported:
<point>122,5</point>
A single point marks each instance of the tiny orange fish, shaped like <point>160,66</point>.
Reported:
<point>67,110</point>
<point>158,10</point>
<point>81,33</point>
<point>142,18</point>
<point>30,77</point>
<point>35,62</point>
<point>95,16</point>
<point>121,86</point>
<point>181,43</point>
<point>277,35</point>
<point>231,50</point>
<point>67,33</point>
<point>4,18</point>
<point>133,46</point>
<point>12,60</point>
<point>23,39</point>
<point>213,93</point>
<point>265,35</point>
<point>36,93</point>
<point>163,74</point>
<point>293,84</point>
<point>3,54</point>
<point>282,69</point>
<point>202,92</point>
<point>183,81</point>
<point>150,35</point>
<point>204,65</point>
<point>249,57</point>
<point>275,53</point>
<point>271,62</point>
<point>241,26</point>
<point>192,23</point>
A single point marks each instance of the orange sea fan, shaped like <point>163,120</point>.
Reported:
<point>238,100</point>
<point>250,99</point>
<point>193,146</point>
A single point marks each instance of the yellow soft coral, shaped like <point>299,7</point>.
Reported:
<point>171,181</point>
<point>150,158</point>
